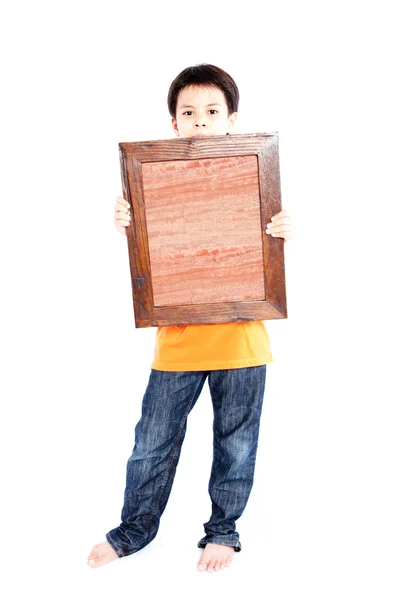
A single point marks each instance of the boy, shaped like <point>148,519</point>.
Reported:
<point>202,100</point>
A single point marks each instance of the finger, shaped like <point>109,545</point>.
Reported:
<point>121,201</point>
<point>279,228</point>
<point>285,233</point>
<point>284,220</point>
<point>122,216</point>
<point>282,213</point>
<point>122,210</point>
<point>120,227</point>
<point>122,222</point>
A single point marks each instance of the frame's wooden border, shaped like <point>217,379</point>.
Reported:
<point>132,155</point>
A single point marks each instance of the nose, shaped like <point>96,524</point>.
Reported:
<point>199,123</point>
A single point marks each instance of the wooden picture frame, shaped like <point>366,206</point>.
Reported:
<point>197,245</point>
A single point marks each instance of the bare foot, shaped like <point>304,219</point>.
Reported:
<point>101,554</point>
<point>215,556</point>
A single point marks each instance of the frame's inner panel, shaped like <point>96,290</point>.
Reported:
<point>204,230</point>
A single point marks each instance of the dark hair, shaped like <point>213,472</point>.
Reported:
<point>207,75</point>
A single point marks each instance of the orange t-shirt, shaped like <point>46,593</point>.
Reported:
<point>211,346</point>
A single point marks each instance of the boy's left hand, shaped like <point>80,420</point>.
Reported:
<point>281,226</point>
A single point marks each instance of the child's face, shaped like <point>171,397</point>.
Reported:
<point>202,110</point>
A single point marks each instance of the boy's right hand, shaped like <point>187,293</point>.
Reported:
<point>122,214</point>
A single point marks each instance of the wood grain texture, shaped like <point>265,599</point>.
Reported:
<point>204,231</point>
<point>193,257</point>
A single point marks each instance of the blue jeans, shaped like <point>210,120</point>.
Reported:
<point>237,397</point>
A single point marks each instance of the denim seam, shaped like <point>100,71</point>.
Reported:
<point>163,486</point>
<point>216,540</point>
<point>218,537</point>
<point>116,545</point>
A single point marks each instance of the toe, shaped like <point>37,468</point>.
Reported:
<point>93,551</point>
<point>211,566</point>
<point>201,566</point>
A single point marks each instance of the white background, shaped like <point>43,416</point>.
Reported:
<point>78,78</point>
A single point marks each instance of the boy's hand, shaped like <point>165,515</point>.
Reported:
<point>281,226</point>
<point>122,214</point>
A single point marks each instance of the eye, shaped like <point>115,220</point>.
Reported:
<point>213,110</point>
<point>187,111</point>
